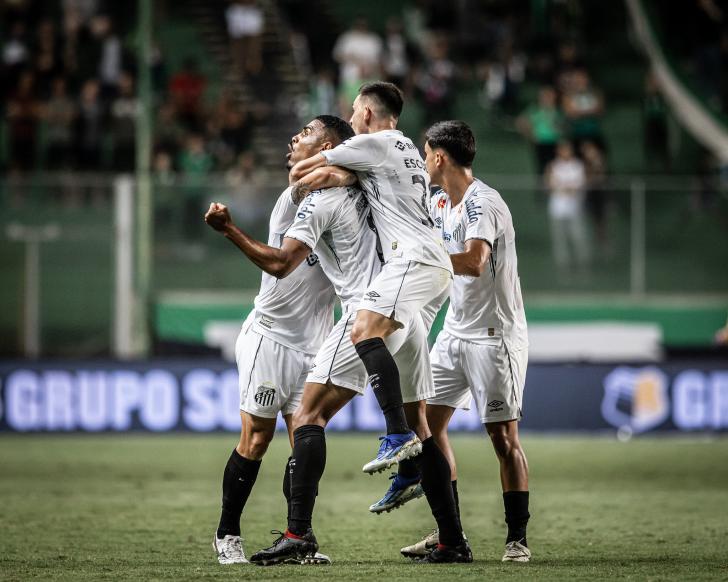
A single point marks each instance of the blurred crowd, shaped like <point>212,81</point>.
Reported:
<point>696,35</point>
<point>68,78</point>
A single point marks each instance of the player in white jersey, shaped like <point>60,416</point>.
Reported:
<point>333,223</point>
<point>413,283</point>
<point>482,351</point>
<point>274,351</point>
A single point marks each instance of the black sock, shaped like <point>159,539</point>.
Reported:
<point>237,483</point>
<point>456,496</point>
<point>408,469</point>
<point>384,378</point>
<point>308,461</point>
<point>516,504</point>
<point>435,471</point>
<point>287,487</point>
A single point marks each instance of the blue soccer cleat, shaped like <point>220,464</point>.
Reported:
<point>393,449</point>
<point>400,492</point>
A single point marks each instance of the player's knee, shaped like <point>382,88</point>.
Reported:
<point>304,417</point>
<point>359,332</point>
<point>255,446</point>
<point>259,444</point>
<point>503,441</point>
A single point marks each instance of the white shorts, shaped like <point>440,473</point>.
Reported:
<point>270,375</point>
<point>338,361</point>
<point>404,289</point>
<point>491,374</point>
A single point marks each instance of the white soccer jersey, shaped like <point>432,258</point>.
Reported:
<point>334,222</point>
<point>297,311</point>
<point>392,173</point>
<point>489,305</point>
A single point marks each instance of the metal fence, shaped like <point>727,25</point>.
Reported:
<point>62,264</point>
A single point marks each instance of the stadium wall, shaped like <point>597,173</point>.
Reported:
<point>202,396</point>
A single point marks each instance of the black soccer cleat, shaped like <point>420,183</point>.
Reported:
<point>461,554</point>
<point>287,549</point>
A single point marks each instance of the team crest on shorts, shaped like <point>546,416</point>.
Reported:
<point>265,394</point>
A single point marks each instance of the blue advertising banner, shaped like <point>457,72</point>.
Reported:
<point>202,396</point>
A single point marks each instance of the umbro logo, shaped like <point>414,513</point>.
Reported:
<point>495,403</point>
<point>372,295</point>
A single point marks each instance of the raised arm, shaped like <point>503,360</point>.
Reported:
<point>472,261</point>
<point>323,177</point>
<point>276,262</point>
<point>307,166</point>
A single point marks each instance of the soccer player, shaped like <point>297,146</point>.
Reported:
<point>275,349</point>
<point>416,271</point>
<point>334,223</point>
<point>483,348</point>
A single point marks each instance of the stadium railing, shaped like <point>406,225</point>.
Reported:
<point>60,237</point>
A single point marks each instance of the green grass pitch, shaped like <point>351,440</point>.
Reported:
<point>142,507</point>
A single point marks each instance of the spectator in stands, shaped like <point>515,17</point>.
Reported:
<point>195,163</point>
<point>359,54</point>
<point>110,64</point>
<point>47,59</point>
<point>435,82</point>
<point>59,115</point>
<point>22,113</point>
<point>234,136</point>
<point>245,25</point>
<point>567,65</point>
<point>397,53</point>
<point>89,128</point>
<point>583,107</point>
<point>566,181</point>
<point>543,125</point>
<point>186,88</point>
<point>169,133</point>
<point>15,55</point>
<point>597,195</point>
<point>123,116</point>
<point>654,119</point>
<point>322,94</point>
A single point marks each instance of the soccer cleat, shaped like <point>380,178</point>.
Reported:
<point>229,549</point>
<point>316,558</point>
<point>288,549</point>
<point>393,449</point>
<point>423,547</point>
<point>400,492</point>
<point>460,554</point>
<point>516,552</point>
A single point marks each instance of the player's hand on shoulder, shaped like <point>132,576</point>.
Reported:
<point>218,216</point>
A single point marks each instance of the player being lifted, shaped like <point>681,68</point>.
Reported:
<point>276,347</point>
<point>410,289</point>
<point>416,270</point>
<point>483,348</point>
<point>335,223</point>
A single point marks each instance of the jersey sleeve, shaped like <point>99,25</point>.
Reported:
<point>359,153</point>
<point>481,220</point>
<point>315,215</point>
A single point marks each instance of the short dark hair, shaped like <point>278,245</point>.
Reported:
<point>388,95</point>
<point>456,138</point>
<point>336,127</point>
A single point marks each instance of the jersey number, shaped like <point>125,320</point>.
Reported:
<point>419,179</point>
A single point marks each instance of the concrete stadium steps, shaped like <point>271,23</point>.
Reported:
<point>280,84</point>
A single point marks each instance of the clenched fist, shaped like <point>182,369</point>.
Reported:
<point>218,216</point>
